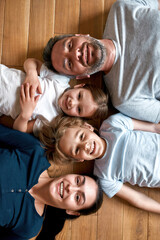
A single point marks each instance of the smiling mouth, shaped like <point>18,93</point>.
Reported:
<point>85,55</point>
<point>61,192</point>
<point>93,148</point>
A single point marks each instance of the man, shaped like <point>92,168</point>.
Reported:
<point>128,55</point>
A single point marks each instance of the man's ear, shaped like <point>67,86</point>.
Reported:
<point>82,77</point>
<point>88,126</point>
<point>81,85</point>
<point>78,35</point>
<point>70,212</point>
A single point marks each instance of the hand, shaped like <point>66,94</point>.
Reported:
<point>28,101</point>
<point>34,82</point>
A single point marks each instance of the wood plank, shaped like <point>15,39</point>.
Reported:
<point>110,219</point>
<point>107,6</point>
<point>2,5</point>
<point>67,16</point>
<point>66,233</point>
<point>16,25</point>
<point>85,227</point>
<point>154,219</point>
<point>91,18</point>
<point>41,27</point>
<point>135,222</point>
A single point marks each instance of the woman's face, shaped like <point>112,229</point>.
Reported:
<point>73,192</point>
<point>82,143</point>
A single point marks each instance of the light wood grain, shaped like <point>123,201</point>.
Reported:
<point>25,28</point>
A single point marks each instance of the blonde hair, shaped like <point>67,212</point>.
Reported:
<point>51,134</point>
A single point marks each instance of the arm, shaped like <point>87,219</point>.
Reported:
<point>32,68</point>
<point>138,199</point>
<point>28,102</point>
<point>146,126</point>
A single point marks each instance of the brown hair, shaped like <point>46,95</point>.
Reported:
<point>101,99</point>
<point>48,50</point>
<point>51,134</point>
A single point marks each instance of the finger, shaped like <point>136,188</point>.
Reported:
<point>39,89</point>
<point>22,95</point>
<point>37,98</point>
<point>32,92</point>
<point>26,90</point>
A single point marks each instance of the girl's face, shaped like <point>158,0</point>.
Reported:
<point>82,143</point>
<point>73,192</point>
<point>78,102</point>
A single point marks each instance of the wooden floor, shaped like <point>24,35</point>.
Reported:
<point>25,27</point>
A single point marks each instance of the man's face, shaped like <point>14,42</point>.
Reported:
<point>73,192</point>
<point>78,55</point>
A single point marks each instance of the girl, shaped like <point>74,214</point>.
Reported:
<point>127,150</point>
<point>82,100</point>
<point>26,189</point>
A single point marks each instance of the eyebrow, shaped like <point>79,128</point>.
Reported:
<point>84,197</point>
<point>64,61</point>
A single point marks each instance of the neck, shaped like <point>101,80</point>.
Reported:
<point>40,190</point>
<point>110,55</point>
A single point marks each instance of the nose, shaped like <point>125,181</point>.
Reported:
<point>71,103</point>
<point>78,53</point>
<point>75,54</point>
<point>71,188</point>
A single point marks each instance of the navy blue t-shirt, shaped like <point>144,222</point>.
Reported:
<point>22,160</point>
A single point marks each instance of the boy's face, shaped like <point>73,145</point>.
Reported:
<point>72,192</point>
<point>78,102</point>
<point>82,144</point>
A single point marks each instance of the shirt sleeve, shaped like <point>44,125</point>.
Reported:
<point>117,121</point>
<point>145,110</point>
<point>146,3</point>
<point>47,73</point>
<point>17,139</point>
<point>110,188</point>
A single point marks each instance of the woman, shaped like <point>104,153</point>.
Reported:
<point>26,188</point>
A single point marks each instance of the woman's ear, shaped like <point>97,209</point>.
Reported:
<point>70,212</point>
<point>88,126</point>
<point>81,85</point>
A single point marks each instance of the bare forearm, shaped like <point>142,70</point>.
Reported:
<point>139,199</point>
<point>31,66</point>
<point>146,126</point>
<point>20,124</point>
<point>23,125</point>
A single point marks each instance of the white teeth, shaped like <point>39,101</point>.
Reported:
<point>61,189</point>
<point>92,149</point>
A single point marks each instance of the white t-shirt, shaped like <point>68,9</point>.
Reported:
<point>52,84</point>
<point>131,156</point>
